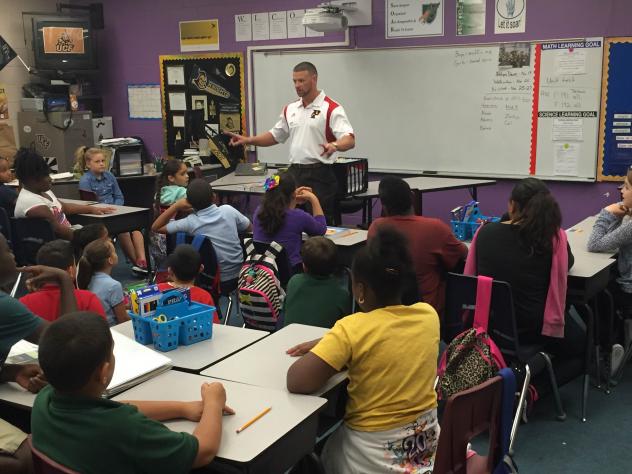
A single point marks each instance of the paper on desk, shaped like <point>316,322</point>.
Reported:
<point>22,352</point>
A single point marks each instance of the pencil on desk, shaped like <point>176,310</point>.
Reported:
<point>239,430</point>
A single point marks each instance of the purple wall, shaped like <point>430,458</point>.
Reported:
<point>138,32</point>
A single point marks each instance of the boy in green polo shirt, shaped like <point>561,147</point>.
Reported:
<point>74,426</point>
<point>316,297</point>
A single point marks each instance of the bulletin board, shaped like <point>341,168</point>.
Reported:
<point>615,130</point>
<point>212,83</point>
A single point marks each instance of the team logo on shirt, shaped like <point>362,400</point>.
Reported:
<point>315,114</point>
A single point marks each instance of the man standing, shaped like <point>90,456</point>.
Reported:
<point>317,127</point>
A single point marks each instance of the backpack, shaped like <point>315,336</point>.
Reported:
<point>260,293</point>
<point>472,357</point>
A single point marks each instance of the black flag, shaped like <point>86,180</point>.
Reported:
<point>6,53</point>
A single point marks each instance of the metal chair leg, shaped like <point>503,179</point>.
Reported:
<point>561,415</point>
<point>228,308</point>
<point>520,407</point>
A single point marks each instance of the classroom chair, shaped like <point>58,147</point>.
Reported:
<point>42,464</point>
<point>88,195</point>
<point>209,278</point>
<point>28,236</point>
<point>283,263</point>
<point>470,413</point>
<point>502,327</point>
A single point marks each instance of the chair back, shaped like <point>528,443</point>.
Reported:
<point>29,234</point>
<point>282,261</point>
<point>468,414</point>
<point>461,296</point>
<point>87,195</point>
<point>209,278</point>
<point>42,464</point>
<point>5,226</point>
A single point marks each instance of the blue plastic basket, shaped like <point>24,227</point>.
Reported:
<point>182,324</point>
<point>466,230</point>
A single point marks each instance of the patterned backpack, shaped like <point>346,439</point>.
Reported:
<point>260,293</point>
<point>472,357</point>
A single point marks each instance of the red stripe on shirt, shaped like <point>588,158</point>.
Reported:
<point>329,134</point>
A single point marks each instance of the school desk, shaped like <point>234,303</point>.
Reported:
<point>578,239</point>
<point>123,219</point>
<point>424,184</point>
<point>226,340</point>
<point>265,362</point>
<point>272,444</point>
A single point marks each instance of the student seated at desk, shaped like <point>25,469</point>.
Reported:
<point>17,322</point>
<point>531,253</point>
<point>221,224</point>
<point>77,428</point>
<point>95,267</point>
<point>184,265</point>
<point>44,301</point>
<point>613,231</point>
<point>390,350</point>
<point>8,195</point>
<point>171,186</point>
<point>277,218</point>
<point>36,200</point>
<point>432,245</point>
<point>316,296</point>
<point>103,184</point>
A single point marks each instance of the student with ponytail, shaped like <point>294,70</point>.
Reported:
<point>277,218</point>
<point>531,253</point>
<point>93,273</point>
<point>171,186</point>
<point>390,351</point>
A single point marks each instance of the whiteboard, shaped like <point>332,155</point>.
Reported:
<point>445,110</point>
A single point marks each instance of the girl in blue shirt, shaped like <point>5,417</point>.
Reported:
<point>101,182</point>
<point>93,274</point>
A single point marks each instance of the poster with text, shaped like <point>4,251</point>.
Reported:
<point>510,16</point>
<point>202,35</point>
<point>470,17</point>
<point>409,18</point>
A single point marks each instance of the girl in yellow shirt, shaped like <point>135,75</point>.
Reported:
<point>390,351</point>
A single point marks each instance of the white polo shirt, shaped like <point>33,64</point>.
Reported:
<point>321,122</point>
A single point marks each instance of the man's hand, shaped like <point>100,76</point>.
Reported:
<point>236,140</point>
<point>328,149</point>
<point>31,378</point>
<point>302,349</point>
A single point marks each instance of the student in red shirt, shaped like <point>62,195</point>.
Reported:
<point>184,265</point>
<point>45,301</point>
<point>433,247</point>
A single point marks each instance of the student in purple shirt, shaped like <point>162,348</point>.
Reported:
<point>277,218</point>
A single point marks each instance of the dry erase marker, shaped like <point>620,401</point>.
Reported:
<point>260,415</point>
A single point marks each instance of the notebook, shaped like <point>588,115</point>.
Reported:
<point>135,363</point>
<point>251,169</point>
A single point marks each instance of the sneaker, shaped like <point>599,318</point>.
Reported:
<point>139,270</point>
<point>616,358</point>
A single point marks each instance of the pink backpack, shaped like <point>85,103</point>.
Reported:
<point>472,357</point>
